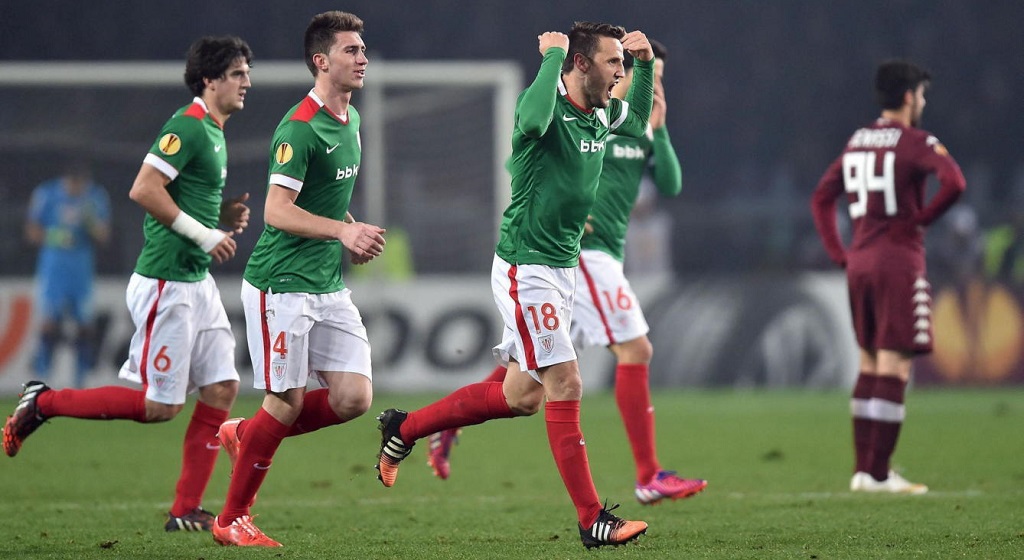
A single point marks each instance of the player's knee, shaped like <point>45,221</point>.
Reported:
<point>526,405</point>
<point>219,395</point>
<point>159,412</point>
<point>350,405</point>
<point>636,351</point>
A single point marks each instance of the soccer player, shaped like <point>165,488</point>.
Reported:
<point>68,217</point>
<point>606,311</point>
<point>882,170</point>
<point>562,124</point>
<point>299,316</point>
<point>182,339</point>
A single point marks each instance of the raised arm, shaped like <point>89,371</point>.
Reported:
<point>537,105</point>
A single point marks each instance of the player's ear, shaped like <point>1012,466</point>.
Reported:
<point>320,62</point>
<point>908,97</point>
<point>581,62</point>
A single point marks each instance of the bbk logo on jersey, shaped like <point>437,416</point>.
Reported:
<point>628,152</point>
<point>591,146</point>
<point>347,173</point>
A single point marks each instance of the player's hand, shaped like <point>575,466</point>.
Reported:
<point>552,39</point>
<point>235,214</point>
<point>636,44</point>
<point>365,241</point>
<point>588,228</point>
<point>357,260</point>
<point>225,249</point>
<point>658,108</point>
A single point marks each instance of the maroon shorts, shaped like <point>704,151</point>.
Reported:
<point>891,304</point>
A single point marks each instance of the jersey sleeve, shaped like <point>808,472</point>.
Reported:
<point>668,175</point>
<point>537,104</point>
<point>291,151</point>
<point>934,158</point>
<point>823,208</point>
<point>179,141</point>
<point>629,117</point>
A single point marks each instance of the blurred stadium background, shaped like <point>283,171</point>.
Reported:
<point>761,95</point>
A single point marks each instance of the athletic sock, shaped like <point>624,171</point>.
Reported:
<point>199,455</point>
<point>263,435</point>
<point>633,395</point>
<point>888,403</point>
<point>101,403</point>
<point>863,423</point>
<point>497,376</point>
<point>570,452</point>
<point>472,404</point>
<point>316,413</point>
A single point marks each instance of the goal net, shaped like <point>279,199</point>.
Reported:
<point>435,137</point>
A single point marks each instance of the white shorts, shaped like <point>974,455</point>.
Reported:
<point>535,302</point>
<point>182,338</point>
<point>294,335</point>
<point>607,311</point>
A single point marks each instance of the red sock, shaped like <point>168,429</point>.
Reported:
<point>570,452</point>
<point>863,425</point>
<point>633,396</point>
<point>888,394</point>
<point>316,413</point>
<point>472,404</point>
<point>198,457</point>
<point>101,403</point>
<point>263,436</point>
<point>498,375</point>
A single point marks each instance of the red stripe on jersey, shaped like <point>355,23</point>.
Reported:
<point>596,298</point>
<point>265,328</point>
<point>150,321</point>
<point>524,331</point>
<point>196,110</point>
<point>306,110</point>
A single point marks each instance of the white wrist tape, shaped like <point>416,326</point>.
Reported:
<point>201,235</point>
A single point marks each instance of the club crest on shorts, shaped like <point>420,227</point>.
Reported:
<point>278,369</point>
<point>162,381</point>
<point>547,343</point>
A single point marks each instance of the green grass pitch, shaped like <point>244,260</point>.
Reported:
<point>778,465</point>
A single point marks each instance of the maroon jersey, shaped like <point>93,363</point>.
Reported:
<point>883,171</point>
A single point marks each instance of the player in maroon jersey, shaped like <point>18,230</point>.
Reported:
<point>883,171</point>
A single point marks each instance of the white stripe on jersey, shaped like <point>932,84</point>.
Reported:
<point>161,166</point>
<point>286,182</point>
<point>622,117</point>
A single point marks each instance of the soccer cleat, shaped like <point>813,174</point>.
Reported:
<point>242,532</point>
<point>227,435</point>
<point>666,484</point>
<point>392,448</point>
<point>196,520</point>
<point>440,448</point>
<point>611,530</point>
<point>25,419</point>
<point>894,484</point>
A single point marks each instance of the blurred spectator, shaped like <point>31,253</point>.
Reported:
<point>68,216</point>
<point>1004,257</point>
<point>957,253</point>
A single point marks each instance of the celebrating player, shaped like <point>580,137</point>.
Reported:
<point>182,339</point>
<point>562,123</point>
<point>299,316</point>
<point>606,311</point>
<point>883,170</point>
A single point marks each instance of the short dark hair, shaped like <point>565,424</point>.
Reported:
<point>321,30</point>
<point>210,57</point>
<point>896,77</point>
<point>584,38</point>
